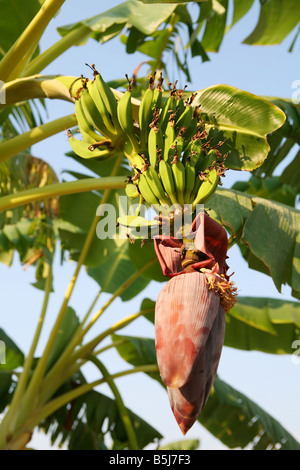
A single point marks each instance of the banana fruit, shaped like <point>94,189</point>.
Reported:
<point>207,188</point>
<point>168,149</point>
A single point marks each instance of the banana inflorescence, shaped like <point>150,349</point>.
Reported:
<point>169,150</point>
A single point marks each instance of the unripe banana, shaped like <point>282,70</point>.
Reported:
<point>99,103</point>
<point>155,143</point>
<point>167,108</point>
<point>206,160</point>
<point>207,188</point>
<point>86,129</point>
<point>179,106</point>
<point>156,185</point>
<point>124,111</point>
<point>108,98</point>
<point>166,175</point>
<point>184,120</point>
<point>179,178</point>
<point>132,191</point>
<point>169,138</point>
<point>195,189</point>
<point>190,177</point>
<point>156,99</point>
<point>93,115</point>
<point>146,191</point>
<point>145,117</point>
<point>83,149</point>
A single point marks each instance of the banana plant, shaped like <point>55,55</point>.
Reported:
<point>155,145</point>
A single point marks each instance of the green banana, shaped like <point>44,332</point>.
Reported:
<point>156,185</point>
<point>190,177</point>
<point>99,103</point>
<point>179,104</point>
<point>184,120</point>
<point>155,143</point>
<point>179,178</point>
<point>207,188</point>
<point>108,98</point>
<point>124,111</point>
<point>167,108</point>
<point>132,191</point>
<point>156,99</point>
<point>145,117</point>
<point>93,115</point>
<point>207,160</point>
<point>82,149</point>
<point>86,129</point>
<point>146,191</point>
<point>169,138</point>
<point>166,176</point>
<point>195,189</point>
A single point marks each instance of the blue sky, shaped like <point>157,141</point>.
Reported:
<point>271,381</point>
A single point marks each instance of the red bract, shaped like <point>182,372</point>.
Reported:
<point>209,238</point>
<point>189,316</point>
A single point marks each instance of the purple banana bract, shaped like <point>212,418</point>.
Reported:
<point>190,315</point>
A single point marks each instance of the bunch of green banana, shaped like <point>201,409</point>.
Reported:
<point>167,148</point>
<point>96,113</point>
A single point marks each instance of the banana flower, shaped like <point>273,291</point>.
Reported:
<point>190,315</point>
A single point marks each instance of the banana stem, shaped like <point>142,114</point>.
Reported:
<point>62,400</point>
<point>132,439</point>
<point>170,29</point>
<point>60,372</point>
<point>31,394</point>
<point>37,134</point>
<point>18,394</point>
<point>30,37</point>
<point>60,189</point>
<point>87,348</point>
<point>109,346</point>
<point>91,308</point>
<point>117,293</point>
<point>61,46</point>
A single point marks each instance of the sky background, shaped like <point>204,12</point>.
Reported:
<point>271,381</point>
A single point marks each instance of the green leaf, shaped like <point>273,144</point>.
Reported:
<point>291,174</point>
<point>263,324</point>
<point>149,304</point>
<point>238,422</point>
<point>79,211</point>
<point>67,329</point>
<point>269,188</point>
<point>187,444</point>
<point>116,270</point>
<point>277,19</point>
<point>137,351</point>
<point>266,231</point>
<point>215,27</point>
<point>243,120</point>
<point>92,420</point>
<point>144,18</point>
<point>142,254</point>
<point>14,19</point>
<point>229,415</point>
<point>11,355</point>
<point>5,384</point>
<point>241,7</point>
